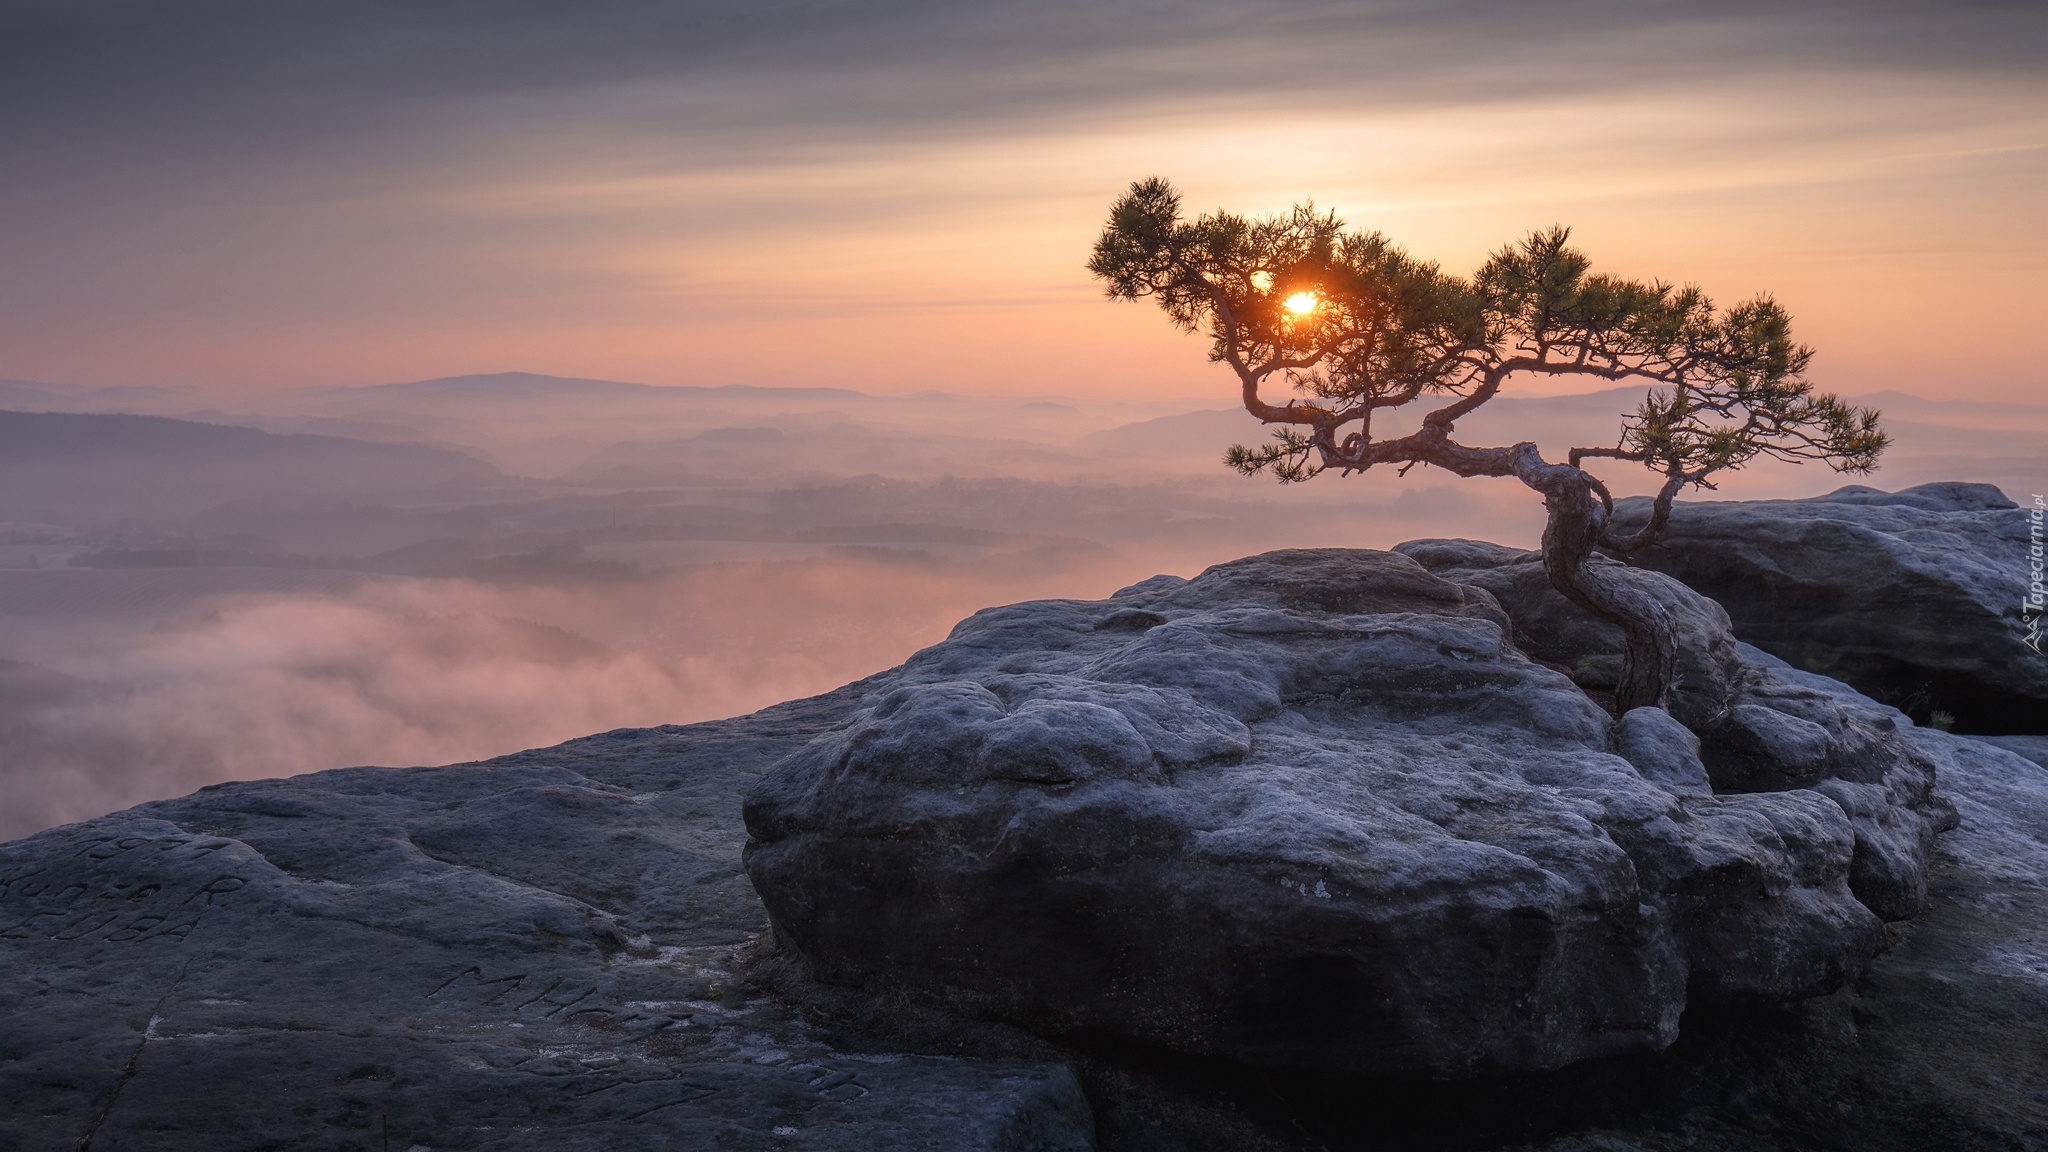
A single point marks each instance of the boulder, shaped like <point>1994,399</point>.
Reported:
<point>1666,752</point>
<point>1812,731</point>
<point>559,949</point>
<point>1756,724</point>
<point>544,951</point>
<point>1918,598</point>
<point>1555,630</point>
<point>1315,810</point>
<point>1937,1045</point>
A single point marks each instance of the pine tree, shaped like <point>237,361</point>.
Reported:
<point>1353,326</point>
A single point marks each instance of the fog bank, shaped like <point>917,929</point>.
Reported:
<point>450,570</point>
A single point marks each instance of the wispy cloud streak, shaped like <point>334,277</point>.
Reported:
<point>267,194</point>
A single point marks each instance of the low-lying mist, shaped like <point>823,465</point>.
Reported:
<point>399,672</point>
<point>451,570</point>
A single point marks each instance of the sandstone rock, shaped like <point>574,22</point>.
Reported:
<point>1666,752</point>
<point>1559,632</point>
<point>2033,748</point>
<point>1872,762</point>
<point>1762,726</point>
<point>539,952</point>
<point>1315,810</point>
<point>1915,597</point>
<point>1937,1045</point>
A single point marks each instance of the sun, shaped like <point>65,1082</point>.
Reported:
<point>1302,303</point>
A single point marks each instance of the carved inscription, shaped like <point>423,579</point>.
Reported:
<point>218,886</point>
<point>556,997</point>
<point>473,986</point>
<point>117,890</point>
<point>544,998</point>
<point>836,1084</point>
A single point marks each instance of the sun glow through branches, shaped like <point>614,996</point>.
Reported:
<point>1301,303</point>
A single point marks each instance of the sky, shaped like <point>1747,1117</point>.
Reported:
<point>899,195</point>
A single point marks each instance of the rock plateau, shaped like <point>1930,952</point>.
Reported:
<point>1917,598</point>
<point>541,952</point>
<point>1330,850</point>
<point>1314,811</point>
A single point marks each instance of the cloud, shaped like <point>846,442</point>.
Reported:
<point>181,75</point>
<point>298,193</point>
<point>120,685</point>
<point>427,672</point>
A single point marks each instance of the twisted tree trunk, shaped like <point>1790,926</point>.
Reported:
<point>1578,523</point>
<point>1579,513</point>
<point>1578,519</point>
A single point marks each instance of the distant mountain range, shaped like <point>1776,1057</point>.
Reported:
<point>532,424</point>
<point>534,386</point>
<point>40,437</point>
<point>71,466</point>
<point>29,395</point>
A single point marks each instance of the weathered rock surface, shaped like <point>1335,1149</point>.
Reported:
<point>1937,1045</point>
<point>1556,631</point>
<point>540,952</point>
<point>2034,748</point>
<point>537,952</point>
<point>1916,598</point>
<point>1315,811</point>
<point>1758,725</point>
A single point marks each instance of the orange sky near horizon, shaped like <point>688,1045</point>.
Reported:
<point>637,228</point>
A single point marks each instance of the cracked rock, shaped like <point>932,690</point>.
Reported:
<point>542,952</point>
<point>1323,814</point>
<point>1917,598</point>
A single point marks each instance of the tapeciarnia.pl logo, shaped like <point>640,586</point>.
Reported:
<point>2036,602</point>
